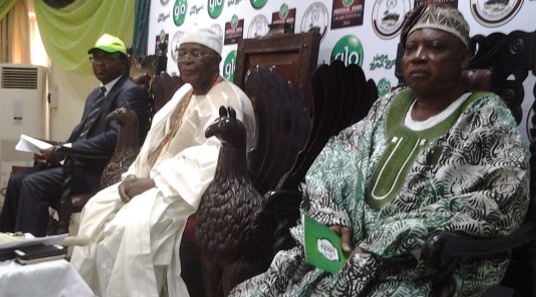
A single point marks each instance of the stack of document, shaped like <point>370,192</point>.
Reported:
<point>39,253</point>
<point>31,145</point>
<point>8,248</point>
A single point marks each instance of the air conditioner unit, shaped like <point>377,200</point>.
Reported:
<point>22,108</point>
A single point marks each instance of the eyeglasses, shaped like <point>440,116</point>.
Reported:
<point>104,60</point>
<point>194,55</point>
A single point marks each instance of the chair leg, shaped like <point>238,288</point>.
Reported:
<point>66,206</point>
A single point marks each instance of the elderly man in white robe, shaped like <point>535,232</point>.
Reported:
<point>135,227</point>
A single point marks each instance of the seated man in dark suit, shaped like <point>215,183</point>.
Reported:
<point>30,192</point>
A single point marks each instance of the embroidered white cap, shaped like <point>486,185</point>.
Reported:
<point>204,36</point>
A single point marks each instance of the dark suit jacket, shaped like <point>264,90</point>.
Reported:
<point>103,135</point>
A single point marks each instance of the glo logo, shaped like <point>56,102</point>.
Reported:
<point>258,4</point>
<point>234,21</point>
<point>215,8</point>
<point>179,11</point>
<point>283,11</point>
<point>229,66</point>
<point>384,87</point>
<point>349,50</point>
<point>347,3</point>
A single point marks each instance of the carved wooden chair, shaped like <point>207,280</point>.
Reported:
<point>281,117</point>
<point>294,55</point>
<point>290,135</point>
<point>163,86</point>
<point>341,96</point>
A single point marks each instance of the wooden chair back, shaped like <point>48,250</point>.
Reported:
<point>294,55</point>
<point>283,125</point>
<point>341,96</point>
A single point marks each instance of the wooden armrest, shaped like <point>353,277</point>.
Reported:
<point>284,208</point>
<point>442,247</point>
<point>280,199</point>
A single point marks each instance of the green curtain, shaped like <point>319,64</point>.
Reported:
<point>141,28</point>
<point>69,32</point>
<point>5,7</point>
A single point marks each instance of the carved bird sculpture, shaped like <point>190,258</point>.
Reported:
<point>126,150</point>
<point>231,249</point>
<point>127,146</point>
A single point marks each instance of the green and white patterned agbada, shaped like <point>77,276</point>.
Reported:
<point>472,178</point>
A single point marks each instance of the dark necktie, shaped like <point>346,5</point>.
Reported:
<point>93,114</point>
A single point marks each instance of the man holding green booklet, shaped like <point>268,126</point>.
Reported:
<point>430,157</point>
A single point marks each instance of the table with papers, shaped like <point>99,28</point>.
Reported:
<point>48,278</point>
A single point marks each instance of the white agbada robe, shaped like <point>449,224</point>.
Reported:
<point>134,249</point>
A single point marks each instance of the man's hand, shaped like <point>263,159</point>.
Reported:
<point>346,235</point>
<point>44,158</point>
<point>133,186</point>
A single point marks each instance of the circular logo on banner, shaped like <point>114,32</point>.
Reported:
<point>258,26</point>
<point>229,66</point>
<point>384,87</point>
<point>174,44</point>
<point>234,21</point>
<point>349,50</point>
<point>494,13</point>
<point>164,2</point>
<point>258,4</point>
<point>215,8</point>
<point>316,15</point>
<point>179,12</point>
<point>388,17</point>
<point>283,11</point>
<point>347,3</point>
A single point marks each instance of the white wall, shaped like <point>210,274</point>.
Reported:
<point>72,91</point>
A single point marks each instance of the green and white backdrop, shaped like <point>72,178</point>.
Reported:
<point>363,32</point>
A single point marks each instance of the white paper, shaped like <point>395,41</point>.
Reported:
<point>31,145</point>
<point>30,240</point>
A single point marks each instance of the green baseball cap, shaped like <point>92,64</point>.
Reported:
<point>110,44</point>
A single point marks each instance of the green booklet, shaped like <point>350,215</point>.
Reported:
<point>322,246</point>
